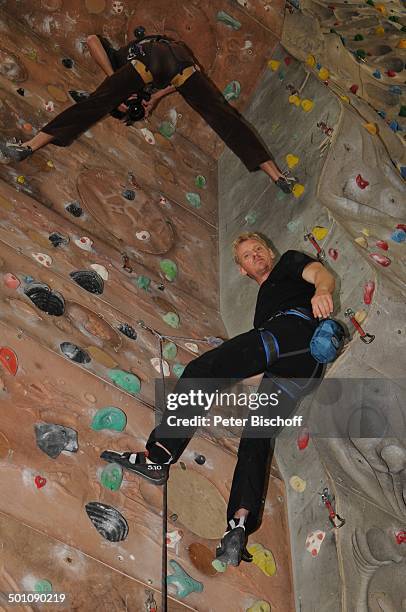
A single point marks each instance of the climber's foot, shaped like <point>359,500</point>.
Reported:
<point>138,463</point>
<point>286,182</point>
<point>78,96</point>
<point>14,151</point>
<point>232,548</point>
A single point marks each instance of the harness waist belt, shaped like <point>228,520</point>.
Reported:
<point>142,71</point>
<point>183,76</point>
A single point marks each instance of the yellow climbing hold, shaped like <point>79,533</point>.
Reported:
<point>259,606</point>
<point>360,316</point>
<point>381,8</point>
<point>365,231</point>
<point>319,232</point>
<point>297,190</point>
<point>50,163</point>
<point>311,61</point>
<point>21,179</point>
<point>307,105</point>
<point>273,64</point>
<point>380,31</point>
<point>362,242</point>
<point>371,127</point>
<point>294,99</point>
<point>297,484</point>
<point>292,160</point>
<point>324,74</point>
<point>402,44</point>
<point>344,98</point>
<point>263,558</point>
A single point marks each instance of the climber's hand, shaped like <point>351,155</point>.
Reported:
<point>150,104</point>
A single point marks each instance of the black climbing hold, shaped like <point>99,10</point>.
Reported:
<point>139,33</point>
<point>21,91</point>
<point>89,280</point>
<point>200,459</point>
<point>74,209</point>
<point>67,62</point>
<point>108,521</point>
<point>46,300</point>
<point>58,240</point>
<point>128,331</point>
<point>74,352</point>
<point>161,287</point>
<point>128,194</point>
<point>52,439</point>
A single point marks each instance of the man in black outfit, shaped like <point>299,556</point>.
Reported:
<point>165,66</point>
<point>294,294</point>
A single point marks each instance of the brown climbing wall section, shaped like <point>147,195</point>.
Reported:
<point>99,244</point>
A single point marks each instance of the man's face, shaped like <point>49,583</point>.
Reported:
<point>255,258</point>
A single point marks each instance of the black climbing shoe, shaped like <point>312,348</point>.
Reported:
<point>286,182</point>
<point>156,473</point>
<point>14,151</point>
<point>78,96</point>
<point>232,548</point>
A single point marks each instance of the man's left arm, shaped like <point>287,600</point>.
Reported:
<point>323,280</point>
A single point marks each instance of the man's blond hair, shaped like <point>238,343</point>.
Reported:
<point>242,238</point>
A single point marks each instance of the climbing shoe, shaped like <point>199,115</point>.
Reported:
<point>232,548</point>
<point>157,473</point>
<point>14,151</point>
<point>286,182</point>
<point>78,96</point>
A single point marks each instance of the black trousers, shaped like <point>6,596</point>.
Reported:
<point>238,358</point>
<point>198,91</point>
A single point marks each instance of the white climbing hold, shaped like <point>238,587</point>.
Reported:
<point>143,235</point>
<point>84,243</point>
<point>191,346</point>
<point>101,270</point>
<point>43,259</point>
<point>148,136</point>
<point>314,541</point>
<point>156,364</point>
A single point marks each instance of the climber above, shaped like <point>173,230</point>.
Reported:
<point>294,294</point>
<point>163,66</point>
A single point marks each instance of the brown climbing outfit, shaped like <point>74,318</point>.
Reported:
<point>161,64</point>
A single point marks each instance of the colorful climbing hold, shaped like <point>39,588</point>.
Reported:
<point>369,289</point>
<point>361,54</point>
<point>169,350</point>
<point>101,270</point>
<point>173,538</point>
<point>324,74</point>
<point>394,126</point>
<point>362,183</point>
<point>74,209</point>
<point>402,111</point>
<point>128,331</point>
<point>178,369</point>
<point>84,243</point>
<point>166,129</point>
<point>40,481</point>
<point>228,20</point>
<point>128,194</point>
<point>125,380</point>
<point>232,91</point>
<point>8,359</point>
<point>311,61</point>
<point>43,586</point>
<point>108,521</point>
<point>319,232</point>
<point>11,281</point>
<point>307,105</point>
<point>263,558</point>
<point>287,60</point>
<point>297,484</point>
<point>398,235</point>
<point>380,31</point>
<point>395,89</point>
<point>292,160</point>
<point>143,282</point>
<point>361,241</point>
<point>354,88</point>
<point>250,218</point>
<point>298,190</point>
<point>112,476</point>
<point>382,244</point>
<point>402,44</point>
<point>303,438</point>
<point>148,136</point>
<point>372,128</point>
<point>67,62</point>
<point>109,418</point>
<point>259,606</point>
<point>381,259</point>
<point>358,37</point>
<point>169,268</point>
<point>333,253</point>
<point>273,64</point>
<point>200,459</point>
<point>294,99</point>
<point>200,181</point>
<point>381,8</point>
<point>314,541</point>
<point>172,319</point>
<point>192,346</point>
<point>344,98</point>
<point>143,235</point>
<point>391,73</point>
<point>20,179</point>
<point>377,74</point>
<point>194,199</point>
<point>160,365</point>
<point>185,584</point>
<point>52,439</point>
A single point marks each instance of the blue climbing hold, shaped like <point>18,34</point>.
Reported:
<point>184,583</point>
<point>395,89</point>
<point>377,74</point>
<point>318,66</point>
<point>403,172</point>
<point>382,113</point>
<point>399,235</point>
<point>394,126</point>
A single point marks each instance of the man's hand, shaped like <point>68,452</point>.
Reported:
<point>150,104</point>
<point>322,304</point>
<point>123,108</point>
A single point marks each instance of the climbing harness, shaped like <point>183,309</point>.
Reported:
<point>321,255</point>
<point>365,337</point>
<point>328,501</point>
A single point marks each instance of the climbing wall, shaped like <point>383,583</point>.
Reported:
<point>331,107</point>
<point>103,245</point>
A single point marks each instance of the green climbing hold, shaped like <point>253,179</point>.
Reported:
<point>228,20</point>
<point>232,91</point>
<point>169,268</point>
<point>361,53</point>
<point>43,586</point>
<point>402,112</point>
<point>166,129</point>
<point>184,583</point>
<point>112,476</point>
<point>394,18</point>
<point>403,28</point>
<point>171,319</point>
<point>143,282</point>
<point>371,2</point>
<point>109,418</point>
<point>250,218</point>
<point>358,37</point>
<point>178,369</point>
<point>200,181</point>
<point>170,350</point>
<point>125,380</point>
<point>194,199</point>
<point>281,75</point>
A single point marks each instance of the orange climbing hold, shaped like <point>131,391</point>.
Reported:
<point>8,359</point>
<point>372,128</point>
<point>402,44</point>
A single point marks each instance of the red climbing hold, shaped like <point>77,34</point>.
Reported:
<point>382,244</point>
<point>354,89</point>
<point>40,482</point>
<point>333,253</point>
<point>9,360</point>
<point>401,226</point>
<point>401,537</point>
<point>11,281</point>
<point>362,183</point>
<point>288,60</point>
<point>381,259</point>
<point>369,289</point>
<point>391,73</point>
<point>303,438</point>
